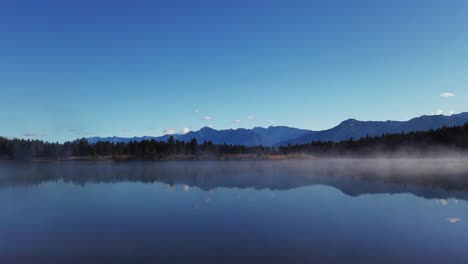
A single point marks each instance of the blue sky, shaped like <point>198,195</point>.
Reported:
<point>71,69</point>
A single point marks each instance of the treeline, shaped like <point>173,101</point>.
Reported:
<point>455,138</point>
<point>422,142</point>
<point>20,149</point>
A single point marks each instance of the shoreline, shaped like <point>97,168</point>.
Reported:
<point>245,157</point>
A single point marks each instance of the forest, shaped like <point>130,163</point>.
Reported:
<point>452,138</point>
<point>20,149</point>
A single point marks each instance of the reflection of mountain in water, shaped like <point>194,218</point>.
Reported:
<point>425,178</point>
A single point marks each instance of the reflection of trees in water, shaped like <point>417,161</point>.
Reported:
<point>425,178</point>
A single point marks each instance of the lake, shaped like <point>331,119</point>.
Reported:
<point>296,211</point>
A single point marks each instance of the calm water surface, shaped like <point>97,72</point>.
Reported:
<point>339,211</point>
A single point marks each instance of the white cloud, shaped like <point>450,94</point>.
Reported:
<point>210,125</point>
<point>251,117</point>
<point>169,131</point>
<point>185,130</point>
<point>451,112</point>
<point>447,94</point>
<point>442,202</point>
<point>206,118</point>
<point>438,112</point>
<point>271,122</point>
<point>236,121</point>
<point>453,220</point>
<point>196,111</point>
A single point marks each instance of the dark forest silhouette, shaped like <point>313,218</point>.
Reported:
<point>450,138</point>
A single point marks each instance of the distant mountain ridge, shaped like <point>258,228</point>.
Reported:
<point>115,139</point>
<point>355,129</point>
<point>241,136</point>
<point>282,135</point>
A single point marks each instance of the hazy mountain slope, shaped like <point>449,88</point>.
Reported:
<point>274,134</point>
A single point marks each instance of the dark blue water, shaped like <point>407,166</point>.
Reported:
<point>235,212</point>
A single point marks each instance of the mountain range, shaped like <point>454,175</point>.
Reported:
<point>282,135</point>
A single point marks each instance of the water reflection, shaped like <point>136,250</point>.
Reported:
<point>437,178</point>
<point>453,220</point>
<point>234,212</point>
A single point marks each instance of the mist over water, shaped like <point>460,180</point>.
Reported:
<point>449,174</point>
<point>403,210</point>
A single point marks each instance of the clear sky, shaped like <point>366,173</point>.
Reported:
<point>70,69</point>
